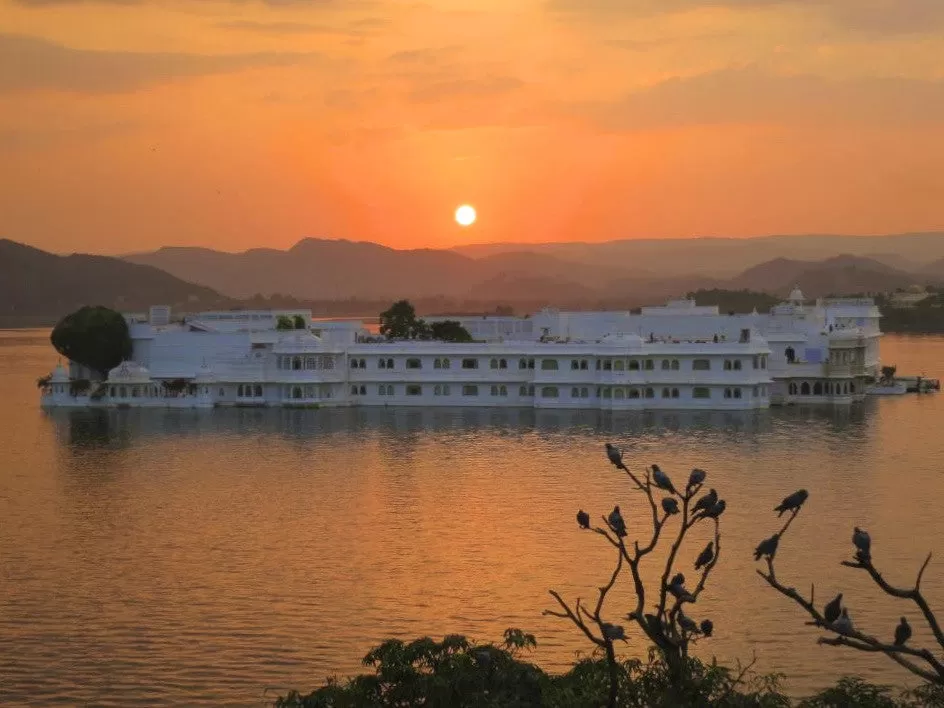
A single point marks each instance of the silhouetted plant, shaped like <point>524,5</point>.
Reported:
<point>835,619</point>
<point>669,629</point>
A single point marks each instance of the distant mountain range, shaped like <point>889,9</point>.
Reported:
<point>38,285</point>
<point>641,272</point>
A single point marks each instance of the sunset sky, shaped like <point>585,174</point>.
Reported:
<point>129,125</point>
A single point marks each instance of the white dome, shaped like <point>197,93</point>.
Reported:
<point>796,295</point>
<point>129,372</point>
<point>59,375</point>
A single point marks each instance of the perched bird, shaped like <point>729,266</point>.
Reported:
<point>843,625</point>
<point>583,518</point>
<point>687,623</point>
<point>902,632</point>
<point>613,631</point>
<point>676,588</point>
<point>696,477</point>
<point>615,456</point>
<point>705,502</point>
<point>616,521</point>
<point>767,547</point>
<point>863,544</point>
<point>707,627</point>
<point>706,556</point>
<point>715,511</point>
<point>670,505</point>
<point>792,502</point>
<point>678,580</point>
<point>833,608</point>
<point>662,479</point>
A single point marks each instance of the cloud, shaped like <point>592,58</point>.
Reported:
<point>489,86</point>
<point>873,16</point>
<point>29,63</point>
<point>277,27</point>
<point>749,95</point>
<point>272,3</point>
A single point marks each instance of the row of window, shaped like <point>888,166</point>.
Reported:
<point>305,363</point>
<point>617,392</point>
<point>759,361</point>
<point>820,388</point>
<point>249,391</point>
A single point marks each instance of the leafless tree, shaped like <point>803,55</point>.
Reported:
<point>667,626</point>
<point>922,662</point>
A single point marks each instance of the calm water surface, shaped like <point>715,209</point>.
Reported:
<point>195,558</point>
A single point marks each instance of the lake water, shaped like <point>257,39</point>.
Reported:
<point>196,558</point>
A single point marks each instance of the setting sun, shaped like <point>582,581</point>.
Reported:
<point>465,215</point>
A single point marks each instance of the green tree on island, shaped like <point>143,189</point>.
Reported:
<point>94,336</point>
<point>400,322</point>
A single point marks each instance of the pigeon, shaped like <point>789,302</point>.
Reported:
<point>583,518</point>
<point>863,544</point>
<point>687,623</point>
<point>767,547</point>
<point>616,521</point>
<point>662,479</point>
<point>707,627</point>
<point>706,556</point>
<point>678,580</point>
<point>843,625</point>
<point>832,609</point>
<point>902,632</point>
<point>715,511</point>
<point>676,587</point>
<point>613,631</point>
<point>670,505</point>
<point>792,502</point>
<point>696,477</point>
<point>615,456</point>
<point>706,502</point>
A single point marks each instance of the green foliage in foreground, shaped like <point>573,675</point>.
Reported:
<point>457,673</point>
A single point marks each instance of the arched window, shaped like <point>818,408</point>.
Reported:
<point>311,363</point>
<point>353,363</point>
<point>522,363</point>
<point>329,363</point>
<point>575,392</point>
<point>620,365</point>
<point>650,365</point>
<point>737,393</point>
<point>493,364</point>
<point>666,393</point>
<point>437,363</point>
<point>296,392</point>
<point>382,390</point>
<point>445,363</point>
<point>650,393</point>
<point>727,392</point>
<point>790,354</point>
<point>634,393</point>
<point>805,388</point>
<point>666,365</point>
<point>437,389</point>
<point>607,365</point>
<point>675,393</point>
<point>502,390</point>
<point>549,364</point>
<point>389,363</point>
<point>494,389</point>
<point>818,389</point>
<point>549,392</point>
<point>737,364</point>
<point>296,363</point>
<point>574,364</point>
<point>633,365</point>
<point>257,391</point>
<point>584,392</point>
<point>619,393</point>
<point>607,392</point>
<point>414,364</point>
<point>502,363</point>
<point>522,390</point>
<point>353,390</point>
<point>584,366</point>
<point>793,389</point>
<point>382,363</point>
<point>851,387</point>
<point>675,365</point>
<point>363,390</point>
<point>727,366</point>
<point>239,391</point>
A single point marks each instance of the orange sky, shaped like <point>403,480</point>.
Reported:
<point>132,124</point>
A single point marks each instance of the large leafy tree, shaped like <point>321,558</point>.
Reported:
<point>94,336</point>
<point>449,331</point>
<point>400,321</point>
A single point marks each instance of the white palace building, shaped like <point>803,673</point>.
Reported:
<point>677,356</point>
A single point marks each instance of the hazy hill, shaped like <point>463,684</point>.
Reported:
<point>43,286</point>
<point>726,257</point>
<point>840,274</point>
